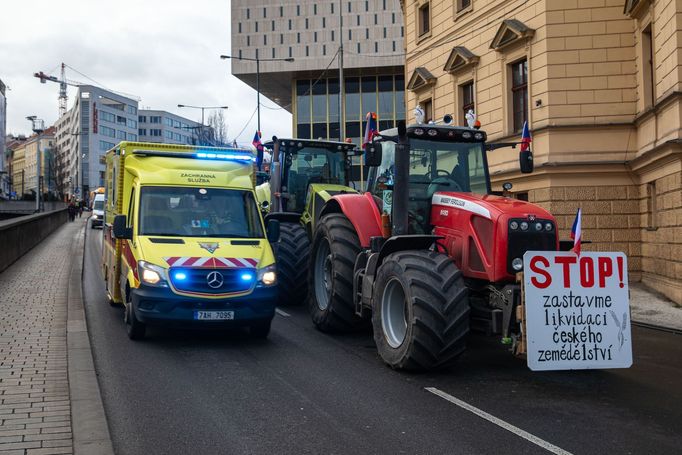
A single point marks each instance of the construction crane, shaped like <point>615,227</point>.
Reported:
<point>64,82</point>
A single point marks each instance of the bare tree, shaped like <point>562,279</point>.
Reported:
<point>216,122</point>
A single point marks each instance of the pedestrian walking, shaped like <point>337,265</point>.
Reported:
<point>72,211</point>
<point>80,209</point>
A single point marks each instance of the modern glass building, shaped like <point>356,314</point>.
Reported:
<point>316,114</point>
<point>308,87</point>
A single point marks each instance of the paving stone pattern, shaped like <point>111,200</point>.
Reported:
<point>35,411</point>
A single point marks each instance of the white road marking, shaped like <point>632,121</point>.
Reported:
<point>499,422</point>
<point>282,313</point>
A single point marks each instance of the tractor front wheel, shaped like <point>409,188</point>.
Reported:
<point>330,279</point>
<point>420,311</point>
<point>292,254</point>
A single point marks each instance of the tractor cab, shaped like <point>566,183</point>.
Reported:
<point>441,159</point>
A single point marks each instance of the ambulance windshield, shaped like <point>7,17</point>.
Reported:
<point>198,212</point>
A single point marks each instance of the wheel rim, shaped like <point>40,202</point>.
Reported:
<point>393,313</point>
<point>323,274</point>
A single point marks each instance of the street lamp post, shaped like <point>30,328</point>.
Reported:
<point>38,126</point>
<point>202,113</point>
<point>258,60</point>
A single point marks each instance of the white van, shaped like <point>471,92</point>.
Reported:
<point>97,218</point>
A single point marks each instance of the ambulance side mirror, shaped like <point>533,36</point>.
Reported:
<point>121,230</point>
<point>373,154</point>
<point>526,161</point>
<point>273,231</point>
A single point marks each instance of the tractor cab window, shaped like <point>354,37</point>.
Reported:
<point>310,165</point>
<point>435,166</point>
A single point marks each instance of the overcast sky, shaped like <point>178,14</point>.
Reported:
<point>165,52</point>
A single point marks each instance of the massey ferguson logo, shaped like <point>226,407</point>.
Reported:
<point>210,247</point>
<point>531,217</point>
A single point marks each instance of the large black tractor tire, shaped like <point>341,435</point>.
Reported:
<point>330,278</point>
<point>292,253</point>
<point>420,311</point>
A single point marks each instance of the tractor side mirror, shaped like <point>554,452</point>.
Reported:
<point>526,161</point>
<point>373,154</point>
<point>273,231</point>
<point>121,230</point>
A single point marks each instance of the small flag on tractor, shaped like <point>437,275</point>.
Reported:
<point>370,128</point>
<point>259,149</point>
<point>525,138</point>
<point>576,232</point>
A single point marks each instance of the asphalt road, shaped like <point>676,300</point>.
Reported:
<point>301,391</point>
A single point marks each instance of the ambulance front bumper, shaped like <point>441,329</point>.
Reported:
<point>155,305</point>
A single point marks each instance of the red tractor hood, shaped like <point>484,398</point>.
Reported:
<point>489,206</point>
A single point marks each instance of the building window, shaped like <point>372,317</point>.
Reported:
<point>332,8</point>
<point>376,47</point>
<point>290,52</point>
<point>366,5</point>
<point>376,19</point>
<point>256,26</point>
<point>265,12</point>
<point>132,137</point>
<point>298,10</point>
<point>332,35</point>
<point>349,7</point>
<point>248,41</point>
<point>424,16</point>
<point>142,118</point>
<point>121,135</point>
<point>324,49</point>
<point>155,119</point>
<point>265,40</point>
<point>240,27</point>
<point>289,24</point>
<point>519,93</point>
<point>385,32</point>
<point>358,20</point>
<point>306,23</point>
<point>350,35</point>
<point>273,26</point>
<point>142,132</point>
<point>240,53</point>
<point>463,4</point>
<point>273,52</point>
<point>281,38</point>
<point>314,37</point>
<point>393,18</point>
<point>367,33</point>
<point>358,48</point>
<point>467,100</point>
<point>307,51</point>
<point>298,37</point>
<point>427,105</point>
<point>248,13</point>
<point>315,9</point>
<point>649,89</point>
<point>324,22</point>
<point>393,46</point>
<point>281,11</point>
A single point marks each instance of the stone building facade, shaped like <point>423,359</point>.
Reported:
<point>600,84</point>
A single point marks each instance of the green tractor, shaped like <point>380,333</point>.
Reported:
<point>304,174</point>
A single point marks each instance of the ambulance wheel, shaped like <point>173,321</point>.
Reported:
<point>292,254</point>
<point>330,279</point>
<point>260,330</point>
<point>421,311</point>
<point>135,329</point>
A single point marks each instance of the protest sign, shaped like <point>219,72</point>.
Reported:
<point>577,310</point>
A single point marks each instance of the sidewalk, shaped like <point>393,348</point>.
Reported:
<point>650,308</point>
<point>35,395</point>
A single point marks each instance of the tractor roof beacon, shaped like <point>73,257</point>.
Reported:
<point>304,174</point>
<point>432,251</point>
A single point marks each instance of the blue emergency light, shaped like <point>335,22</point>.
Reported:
<point>180,276</point>
<point>247,276</point>
<point>226,156</point>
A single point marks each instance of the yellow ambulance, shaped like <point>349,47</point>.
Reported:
<point>184,241</point>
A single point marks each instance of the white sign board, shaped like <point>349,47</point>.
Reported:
<point>577,310</point>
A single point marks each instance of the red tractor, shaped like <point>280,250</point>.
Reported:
<point>428,251</point>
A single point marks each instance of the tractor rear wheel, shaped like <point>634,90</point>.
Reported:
<point>330,278</point>
<point>292,254</point>
<point>420,311</point>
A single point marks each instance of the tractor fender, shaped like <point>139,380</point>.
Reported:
<point>399,243</point>
<point>361,210</point>
<point>286,217</point>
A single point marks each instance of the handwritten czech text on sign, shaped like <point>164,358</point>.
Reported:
<point>577,310</point>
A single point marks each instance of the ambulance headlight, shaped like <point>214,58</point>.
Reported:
<point>152,274</point>
<point>94,217</point>
<point>517,264</point>
<point>267,276</point>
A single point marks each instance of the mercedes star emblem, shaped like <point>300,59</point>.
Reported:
<point>214,280</point>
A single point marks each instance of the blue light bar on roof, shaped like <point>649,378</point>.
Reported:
<point>226,156</point>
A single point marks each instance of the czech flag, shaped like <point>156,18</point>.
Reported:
<point>370,128</point>
<point>259,149</point>
<point>525,138</point>
<point>576,232</point>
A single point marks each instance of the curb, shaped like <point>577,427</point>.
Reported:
<point>88,420</point>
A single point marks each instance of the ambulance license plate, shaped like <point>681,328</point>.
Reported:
<point>214,315</point>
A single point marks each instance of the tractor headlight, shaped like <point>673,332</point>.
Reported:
<point>538,226</point>
<point>548,226</point>
<point>514,225</point>
<point>517,264</point>
<point>152,274</point>
<point>524,225</point>
<point>267,276</point>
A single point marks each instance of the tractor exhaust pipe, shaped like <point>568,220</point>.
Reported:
<point>401,181</point>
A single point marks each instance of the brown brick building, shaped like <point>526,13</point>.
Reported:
<point>600,84</point>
